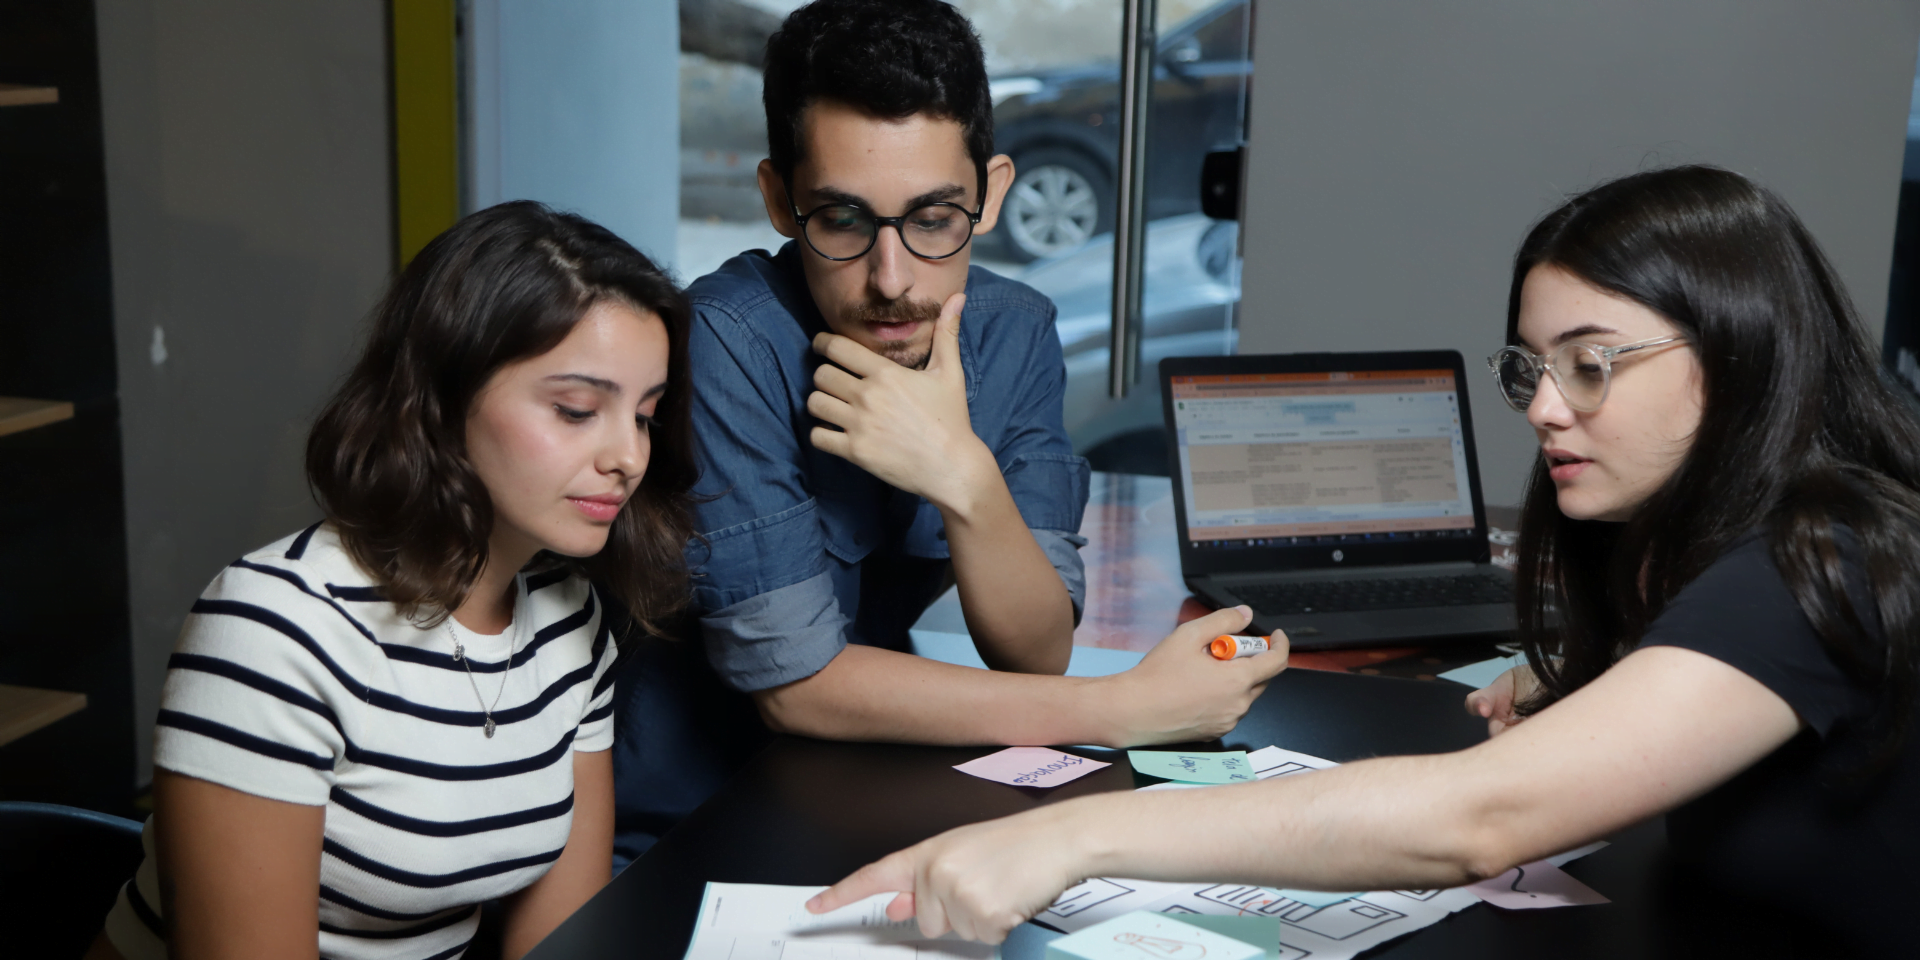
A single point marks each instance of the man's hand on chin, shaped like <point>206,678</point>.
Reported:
<point>907,427</point>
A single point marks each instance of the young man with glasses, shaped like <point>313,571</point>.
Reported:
<point>877,420</point>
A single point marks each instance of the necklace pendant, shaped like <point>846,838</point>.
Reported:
<point>459,652</point>
<point>489,728</point>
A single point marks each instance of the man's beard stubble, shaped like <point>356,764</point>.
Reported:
<point>904,352</point>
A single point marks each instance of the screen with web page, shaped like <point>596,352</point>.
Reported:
<point>1278,459</point>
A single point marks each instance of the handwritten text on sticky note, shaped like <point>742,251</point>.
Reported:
<point>1031,767</point>
<point>1230,767</point>
<point>1535,885</point>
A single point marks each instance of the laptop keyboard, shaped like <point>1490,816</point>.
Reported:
<point>1341,596</point>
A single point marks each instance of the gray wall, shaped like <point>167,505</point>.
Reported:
<point>577,105</point>
<point>250,210</point>
<point>1399,152</point>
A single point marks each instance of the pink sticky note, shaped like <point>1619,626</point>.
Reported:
<point>1031,767</point>
<point>1535,885</point>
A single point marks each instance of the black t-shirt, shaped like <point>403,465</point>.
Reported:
<point>1794,831</point>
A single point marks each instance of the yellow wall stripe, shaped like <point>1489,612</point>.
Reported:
<point>426,153</point>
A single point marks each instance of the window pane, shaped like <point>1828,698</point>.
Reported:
<point>1056,71</point>
<point>723,132</point>
<point>1902,339</point>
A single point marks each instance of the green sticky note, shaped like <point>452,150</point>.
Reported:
<point>1230,767</point>
<point>1262,932</point>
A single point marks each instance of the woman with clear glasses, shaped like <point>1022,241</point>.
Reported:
<point>1719,596</point>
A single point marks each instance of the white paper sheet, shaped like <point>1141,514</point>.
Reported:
<point>1332,932</point>
<point>1546,886</point>
<point>758,921</point>
<point>1313,924</point>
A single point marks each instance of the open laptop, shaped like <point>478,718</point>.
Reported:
<point>1337,494</point>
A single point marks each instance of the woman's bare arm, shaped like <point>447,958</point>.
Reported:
<point>1662,727</point>
<point>239,874</point>
<point>583,868</point>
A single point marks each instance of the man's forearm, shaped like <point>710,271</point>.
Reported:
<point>1017,609</point>
<point>870,694</point>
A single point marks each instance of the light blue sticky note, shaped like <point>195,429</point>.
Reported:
<point>1263,932</point>
<point>1477,675</point>
<point>1152,936</point>
<point>1230,767</point>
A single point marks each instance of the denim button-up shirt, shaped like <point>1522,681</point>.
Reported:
<point>804,552</point>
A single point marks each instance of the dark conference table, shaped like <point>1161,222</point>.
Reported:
<point>809,812</point>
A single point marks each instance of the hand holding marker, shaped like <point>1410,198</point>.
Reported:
<point>1226,647</point>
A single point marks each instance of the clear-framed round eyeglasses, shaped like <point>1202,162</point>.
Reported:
<point>1582,371</point>
<point>844,231</point>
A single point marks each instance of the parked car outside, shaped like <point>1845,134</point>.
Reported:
<point>1062,128</point>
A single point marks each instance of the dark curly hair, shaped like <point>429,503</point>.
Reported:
<point>387,457</point>
<point>888,58</point>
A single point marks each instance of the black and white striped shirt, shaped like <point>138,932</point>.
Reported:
<point>293,680</point>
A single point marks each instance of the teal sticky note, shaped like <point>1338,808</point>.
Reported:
<point>1155,936</point>
<point>1262,932</point>
<point>1230,767</point>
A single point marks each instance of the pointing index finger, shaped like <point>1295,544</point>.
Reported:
<point>890,875</point>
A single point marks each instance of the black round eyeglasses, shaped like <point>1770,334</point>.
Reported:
<point>844,231</point>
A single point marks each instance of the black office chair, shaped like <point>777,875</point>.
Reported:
<point>60,868</point>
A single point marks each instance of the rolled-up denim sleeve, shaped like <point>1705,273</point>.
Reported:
<point>1063,551</point>
<point>760,567</point>
<point>1050,489</point>
<point>1048,483</point>
<point>776,637</point>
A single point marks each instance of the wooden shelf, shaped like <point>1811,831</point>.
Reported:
<point>16,95</point>
<point>26,709</point>
<point>21,413</point>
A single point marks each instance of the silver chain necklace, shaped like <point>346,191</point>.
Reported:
<point>460,656</point>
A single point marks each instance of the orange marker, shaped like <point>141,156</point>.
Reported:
<point>1226,647</point>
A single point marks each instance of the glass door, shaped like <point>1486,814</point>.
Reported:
<point>1902,337</point>
<point>1059,120</point>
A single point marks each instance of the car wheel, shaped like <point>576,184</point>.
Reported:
<point>1059,200</point>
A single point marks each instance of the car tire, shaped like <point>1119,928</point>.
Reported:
<point>1059,199</point>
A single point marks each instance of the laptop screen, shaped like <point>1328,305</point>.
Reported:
<point>1282,459</point>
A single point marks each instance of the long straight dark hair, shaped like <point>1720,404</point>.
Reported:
<point>387,458</point>
<point>1800,435</point>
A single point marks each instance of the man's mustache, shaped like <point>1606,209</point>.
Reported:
<point>900,310</point>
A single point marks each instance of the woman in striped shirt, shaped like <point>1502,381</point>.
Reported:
<point>376,724</point>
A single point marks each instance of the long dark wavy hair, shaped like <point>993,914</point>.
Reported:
<point>387,458</point>
<point>1800,435</point>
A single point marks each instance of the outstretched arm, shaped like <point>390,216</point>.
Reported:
<point>1662,727</point>
<point>911,429</point>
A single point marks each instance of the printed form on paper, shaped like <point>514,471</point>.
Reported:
<point>1314,924</point>
<point>759,921</point>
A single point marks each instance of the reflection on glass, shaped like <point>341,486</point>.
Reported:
<point>1059,122</point>
<point>1902,338</point>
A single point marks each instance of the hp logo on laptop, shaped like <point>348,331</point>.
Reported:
<point>1339,555</point>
